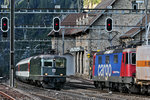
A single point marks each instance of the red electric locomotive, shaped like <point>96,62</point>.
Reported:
<point>117,70</point>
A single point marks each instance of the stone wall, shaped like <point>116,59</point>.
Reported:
<point>57,44</point>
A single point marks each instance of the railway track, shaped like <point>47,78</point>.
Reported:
<point>42,97</point>
<point>7,93</point>
<point>87,88</point>
<point>78,90</point>
<point>54,94</point>
<point>4,96</point>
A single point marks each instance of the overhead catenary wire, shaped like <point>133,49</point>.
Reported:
<point>72,10</point>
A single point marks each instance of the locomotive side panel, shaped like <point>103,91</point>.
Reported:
<point>128,64</point>
<point>143,63</point>
<point>108,66</point>
<point>116,64</point>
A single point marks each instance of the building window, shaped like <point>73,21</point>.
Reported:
<point>115,59</point>
<point>134,6</point>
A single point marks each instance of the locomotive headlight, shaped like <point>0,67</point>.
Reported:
<point>46,74</point>
<point>90,68</point>
<point>61,74</point>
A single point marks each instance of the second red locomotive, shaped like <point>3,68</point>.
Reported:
<point>117,70</point>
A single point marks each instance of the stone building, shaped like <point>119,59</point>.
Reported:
<point>84,33</point>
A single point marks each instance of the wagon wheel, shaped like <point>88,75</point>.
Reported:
<point>148,92</point>
<point>100,86</point>
<point>129,91</point>
<point>143,90</point>
<point>95,84</point>
<point>44,85</point>
<point>121,88</point>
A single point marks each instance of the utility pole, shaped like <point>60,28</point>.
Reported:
<point>12,43</point>
<point>146,33</point>
<point>79,5</point>
<point>63,32</point>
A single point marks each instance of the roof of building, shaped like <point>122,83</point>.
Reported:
<point>137,29</point>
<point>71,19</point>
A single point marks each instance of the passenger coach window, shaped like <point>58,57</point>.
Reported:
<point>107,60</point>
<point>115,59</point>
<point>100,60</point>
<point>133,57</point>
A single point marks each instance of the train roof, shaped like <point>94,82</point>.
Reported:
<point>24,61</point>
<point>129,50</point>
<point>116,51</point>
<point>50,56</point>
<point>27,60</point>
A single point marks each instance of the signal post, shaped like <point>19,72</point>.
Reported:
<point>12,20</point>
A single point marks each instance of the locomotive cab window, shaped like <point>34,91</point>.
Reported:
<point>133,58</point>
<point>107,60</point>
<point>60,63</point>
<point>115,59</point>
<point>100,60</point>
<point>48,63</point>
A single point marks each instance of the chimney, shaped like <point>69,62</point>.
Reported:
<point>87,19</point>
<point>87,15</point>
<point>83,20</point>
<point>79,21</point>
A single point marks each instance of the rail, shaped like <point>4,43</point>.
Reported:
<point>4,95</point>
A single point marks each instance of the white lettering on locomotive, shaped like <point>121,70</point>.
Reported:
<point>105,70</point>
